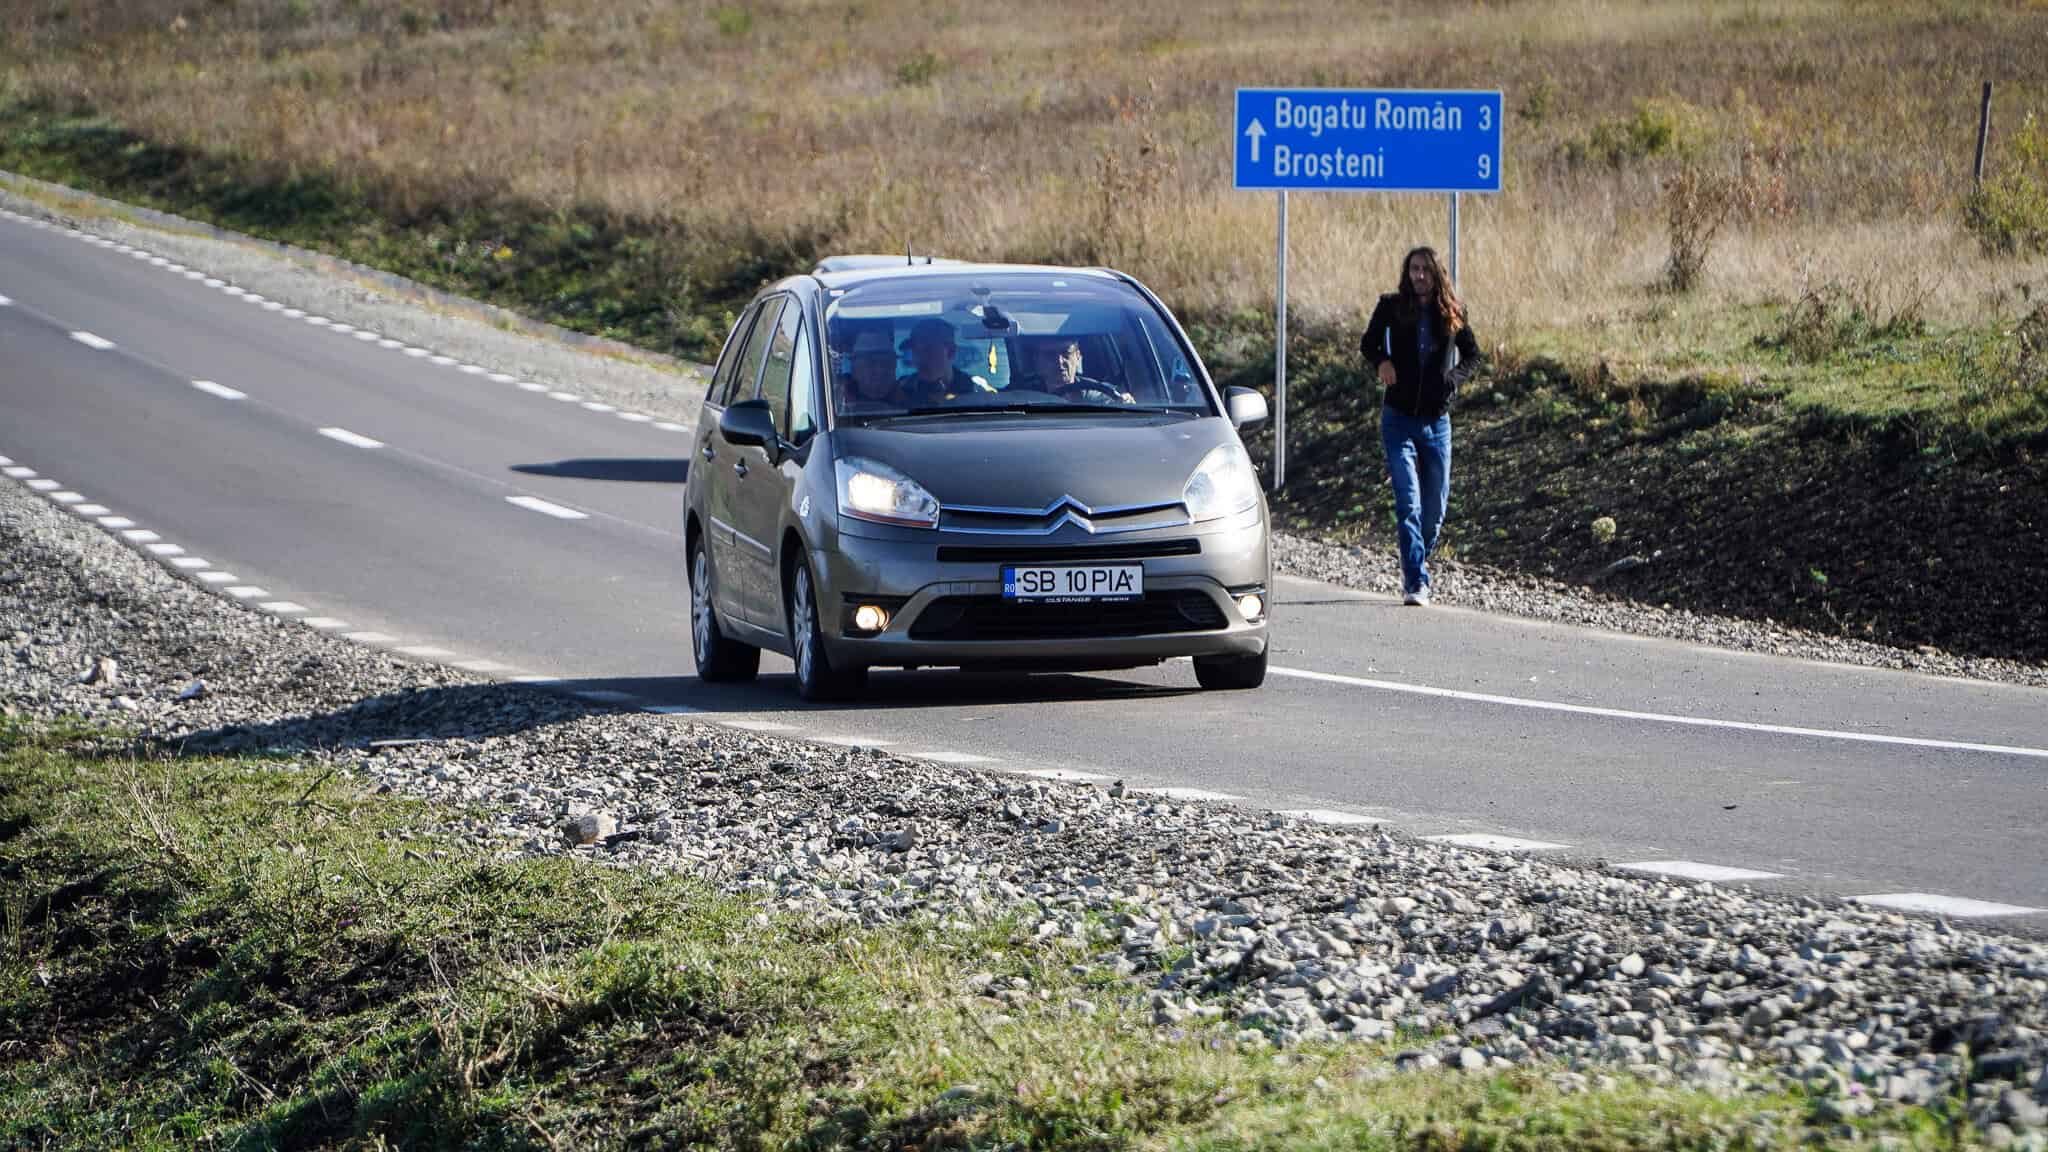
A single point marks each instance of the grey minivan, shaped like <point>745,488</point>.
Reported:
<point>1015,467</point>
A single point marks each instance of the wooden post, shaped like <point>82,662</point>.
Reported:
<point>1983,134</point>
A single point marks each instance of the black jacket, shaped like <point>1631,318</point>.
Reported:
<point>1420,390</point>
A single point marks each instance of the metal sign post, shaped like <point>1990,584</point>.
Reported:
<point>1280,357</point>
<point>1358,140</point>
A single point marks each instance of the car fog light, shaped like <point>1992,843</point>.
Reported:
<point>1252,605</point>
<point>869,618</point>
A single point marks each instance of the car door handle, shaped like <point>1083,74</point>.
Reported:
<point>740,466</point>
<point>710,453</point>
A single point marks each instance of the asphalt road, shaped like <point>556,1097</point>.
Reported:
<point>353,481</point>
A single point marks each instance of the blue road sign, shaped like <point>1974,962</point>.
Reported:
<point>1368,140</point>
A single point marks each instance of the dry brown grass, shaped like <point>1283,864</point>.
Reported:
<point>1072,130</point>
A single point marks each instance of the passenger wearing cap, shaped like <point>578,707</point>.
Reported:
<point>936,380</point>
<point>871,382</point>
<point>1056,364</point>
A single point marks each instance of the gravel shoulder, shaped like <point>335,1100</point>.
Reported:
<point>671,390</point>
<point>1256,925</point>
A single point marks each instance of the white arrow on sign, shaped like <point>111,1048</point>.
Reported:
<point>1255,130</point>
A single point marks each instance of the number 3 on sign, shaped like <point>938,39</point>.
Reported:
<point>1485,167</point>
<point>1485,118</point>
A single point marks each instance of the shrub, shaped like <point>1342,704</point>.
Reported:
<point>1697,202</point>
<point>2009,212</point>
<point>919,70</point>
<point>1540,102</point>
<point>733,20</point>
<point>1655,127</point>
<point>1603,530</point>
<point>1835,317</point>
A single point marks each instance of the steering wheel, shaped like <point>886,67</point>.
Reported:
<point>1102,393</point>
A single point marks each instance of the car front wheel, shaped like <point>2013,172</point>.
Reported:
<point>817,678</point>
<point>719,659</point>
<point>1229,673</point>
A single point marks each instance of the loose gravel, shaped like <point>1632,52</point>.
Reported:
<point>1252,925</point>
<point>671,392</point>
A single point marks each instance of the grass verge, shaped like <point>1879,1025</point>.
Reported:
<point>255,954</point>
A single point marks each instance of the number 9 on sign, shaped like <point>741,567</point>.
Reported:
<point>1485,167</point>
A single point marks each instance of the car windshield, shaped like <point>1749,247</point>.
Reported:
<point>1029,343</point>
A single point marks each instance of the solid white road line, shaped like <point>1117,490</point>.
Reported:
<point>536,504</point>
<point>1073,774</point>
<point>1654,717</point>
<point>1694,870</point>
<point>962,759</point>
<point>1942,905</point>
<point>853,741</point>
<point>483,666</point>
<point>350,438</point>
<point>759,726</point>
<point>220,390</point>
<point>1189,794</point>
<point>97,343</point>
<point>1331,816</point>
<point>1491,843</point>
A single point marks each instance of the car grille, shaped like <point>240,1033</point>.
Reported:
<point>994,618</point>
<point>1070,554</point>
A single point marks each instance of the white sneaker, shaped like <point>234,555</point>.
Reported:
<point>1418,598</point>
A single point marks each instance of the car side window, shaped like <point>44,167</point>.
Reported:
<point>803,389</point>
<point>782,346</point>
<point>749,373</point>
<point>729,358</point>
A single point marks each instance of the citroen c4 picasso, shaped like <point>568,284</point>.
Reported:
<point>1014,467</point>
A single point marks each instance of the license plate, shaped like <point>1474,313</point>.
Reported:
<point>1074,583</point>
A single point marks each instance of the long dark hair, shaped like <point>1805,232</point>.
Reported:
<point>1449,308</point>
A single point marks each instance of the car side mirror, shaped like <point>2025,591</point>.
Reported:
<point>749,424</point>
<point>1247,407</point>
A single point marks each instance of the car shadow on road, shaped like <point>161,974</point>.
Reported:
<point>490,710</point>
<point>630,471</point>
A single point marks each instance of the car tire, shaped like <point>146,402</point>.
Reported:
<point>1230,673</point>
<point>720,660</point>
<point>817,678</point>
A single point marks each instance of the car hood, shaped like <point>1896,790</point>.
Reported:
<point>1036,461</point>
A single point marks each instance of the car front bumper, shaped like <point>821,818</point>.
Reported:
<point>899,569</point>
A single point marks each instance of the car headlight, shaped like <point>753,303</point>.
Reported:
<point>871,490</point>
<point>1224,484</point>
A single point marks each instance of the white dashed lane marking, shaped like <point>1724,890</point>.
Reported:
<point>4,302</point>
<point>1654,717</point>
<point>141,536</point>
<point>246,592</point>
<point>116,522</point>
<point>220,390</point>
<point>536,504</point>
<point>1331,816</point>
<point>324,623</point>
<point>371,637</point>
<point>854,741</point>
<point>1190,794</point>
<point>1492,843</point>
<point>282,607</point>
<point>191,563</point>
<point>1943,905</point>
<point>91,510</point>
<point>759,726</point>
<point>166,550</point>
<point>673,710</point>
<point>19,472</point>
<point>217,577</point>
<point>1694,870</point>
<point>1073,774</point>
<point>44,484</point>
<point>483,666</point>
<point>960,758</point>
<point>97,343</point>
<point>350,438</point>
<point>425,652</point>
<point>67,497</point>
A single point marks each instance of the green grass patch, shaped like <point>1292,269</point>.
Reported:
<point>243,954</point>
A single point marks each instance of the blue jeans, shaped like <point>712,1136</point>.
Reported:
<point>1419,464</point>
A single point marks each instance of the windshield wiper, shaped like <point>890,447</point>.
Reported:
<point>1016,409</point>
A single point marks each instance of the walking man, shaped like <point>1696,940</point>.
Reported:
<point>1421,347</point>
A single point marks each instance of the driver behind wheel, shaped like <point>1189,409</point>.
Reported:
<point>1056,368</point>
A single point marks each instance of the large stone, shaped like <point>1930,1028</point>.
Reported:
<point>588,828</point>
